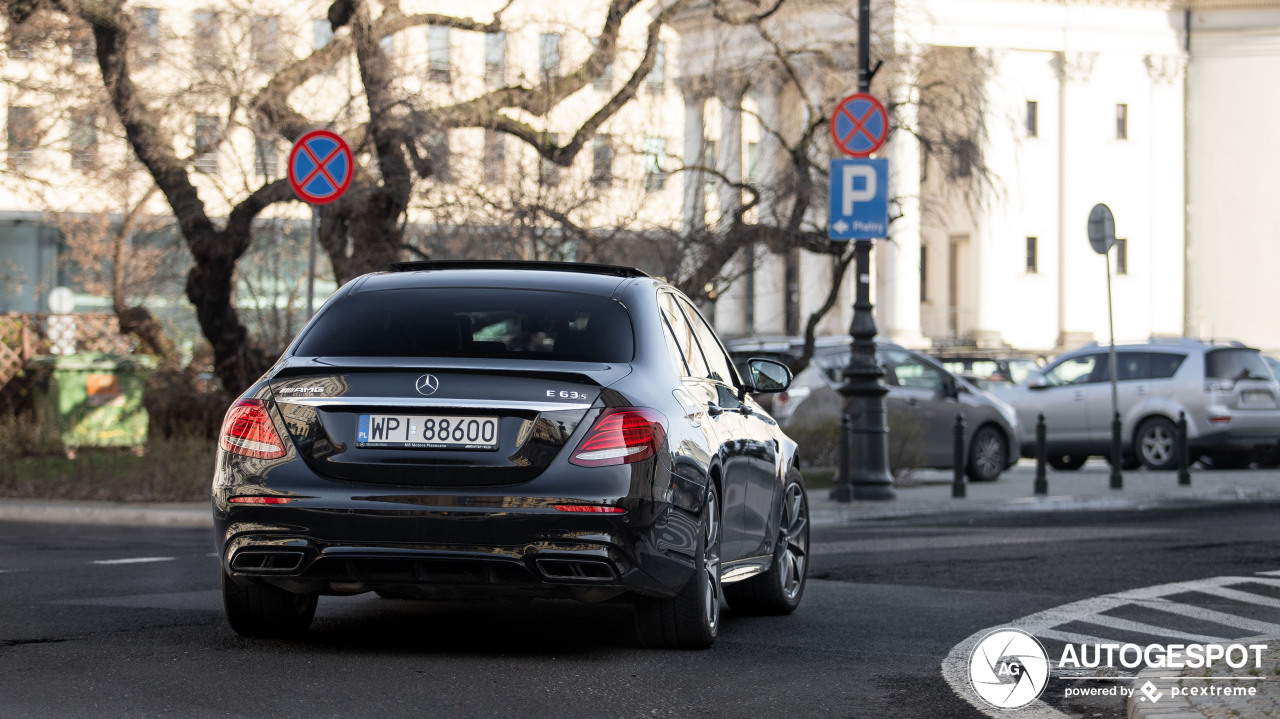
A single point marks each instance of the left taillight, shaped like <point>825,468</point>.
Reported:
<point>621,436</point>
<point>248,430</point>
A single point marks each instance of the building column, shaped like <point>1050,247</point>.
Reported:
<point>770,315</point>
<point>898,304</point>
<point>693,212</point>
<point>731,307</point>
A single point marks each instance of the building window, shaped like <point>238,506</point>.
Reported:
<point>82,140</point>
<point>388,45</point>
<point>1122,256</point>
<point>495,59</point>
<point>655,157</point>
<point>603,81</point>
<point>656,81</point>
<point>148,36</point>
<point>1033,255</point>
<point>321,34</point>
<point>22,135</point>
<point>439,154</point>
<point>1033,118</point>
<point>753,157</point>
<point>439,52</point>
<point>495,156</point>
<point>602,161</point>
<point>264,42</point>
<point>206,144</point>
<point>1122,121</point>
<point>549,56</point>
<point>206,33</point>
<point>266,157</point>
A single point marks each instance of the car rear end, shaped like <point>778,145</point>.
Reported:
<point>1240,408</point>
<point>430,437</point>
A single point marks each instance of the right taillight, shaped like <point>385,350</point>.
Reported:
<point>621,436</point>
<point>248,430</point>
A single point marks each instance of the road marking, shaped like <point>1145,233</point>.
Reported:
<point>981,538</point>
<point>133,560</point>
<point>1095,614</point>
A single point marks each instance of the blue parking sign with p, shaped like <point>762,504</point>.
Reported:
<point>859,206</point>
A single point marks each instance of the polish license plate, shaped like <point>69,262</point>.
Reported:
<point>432,431</point>
<point>1256,397</point>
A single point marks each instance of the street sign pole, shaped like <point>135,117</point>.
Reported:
<point>864,389</point>
<point>1102,237</point>
<point>320,169</point>
<point>311,261</point>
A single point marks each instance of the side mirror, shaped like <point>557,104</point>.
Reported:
<point>766,375</point>
<point>1037,381</point>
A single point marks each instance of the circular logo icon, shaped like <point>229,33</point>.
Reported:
<point>427,384</point>
<point>1009,668</point>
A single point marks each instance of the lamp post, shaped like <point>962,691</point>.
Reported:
<point>864,470</point>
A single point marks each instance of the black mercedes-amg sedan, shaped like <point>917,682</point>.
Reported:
<point>464,430</point>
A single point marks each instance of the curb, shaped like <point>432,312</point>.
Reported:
<point>196,515</point>
<point>1169,706</point>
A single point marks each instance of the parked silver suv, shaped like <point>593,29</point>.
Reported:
<point>1227,391</point>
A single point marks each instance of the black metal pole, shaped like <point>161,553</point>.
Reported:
<point>1180,446</point>
<point>863,388</point>
<point>957,456</point>
<point>1042,480</point>
<point>1117,479</point>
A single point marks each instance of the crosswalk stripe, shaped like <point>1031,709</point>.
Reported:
<point>1127,625</point>
<point>1247,597</point>
<point>1212,615</point>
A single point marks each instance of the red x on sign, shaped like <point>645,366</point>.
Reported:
<point>859,125</point>
<point>320,167</point>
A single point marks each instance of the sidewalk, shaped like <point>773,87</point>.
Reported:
<point>928,492</point>
<point>923,492</point>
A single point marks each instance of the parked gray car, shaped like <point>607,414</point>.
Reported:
<point>1226,390</point>
<point>922,403</point>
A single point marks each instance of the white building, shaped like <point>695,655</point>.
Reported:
<point>1161,110</point>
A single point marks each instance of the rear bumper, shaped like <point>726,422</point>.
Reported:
<point>433,547</point>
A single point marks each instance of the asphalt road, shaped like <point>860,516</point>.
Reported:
<point>100,621</point>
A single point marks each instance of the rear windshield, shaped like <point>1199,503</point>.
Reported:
<point>450,322</point>
<point>1235,364</point>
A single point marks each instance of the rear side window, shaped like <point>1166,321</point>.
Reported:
<point>1235,363</point>
<point>1164,365</point>
<point>478,323</point>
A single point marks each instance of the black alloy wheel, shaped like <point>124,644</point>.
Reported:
<point>779,590</point>
<point>690,619</point>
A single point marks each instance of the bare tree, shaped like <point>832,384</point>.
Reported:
<point>386,121</point>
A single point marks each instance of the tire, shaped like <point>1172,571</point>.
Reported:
<point>261,610</point>
<point>690,619</point>
<point>1068,462</point>
<point>988,452</point>
<point>780,589</point>
<point>1154,444</point>
<point>1269,457</point>
<point>1230,460</point>
<point>1129,462</point>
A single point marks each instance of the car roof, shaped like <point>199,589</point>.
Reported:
<point>563,276</point>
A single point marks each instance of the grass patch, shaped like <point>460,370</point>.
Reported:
<point>34,465</point>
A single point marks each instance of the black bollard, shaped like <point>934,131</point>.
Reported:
<point>841,485</point>
<point>1042,481</point>
<point>1180,446</point>
<point>957,483</point>
<point>1117,480</point>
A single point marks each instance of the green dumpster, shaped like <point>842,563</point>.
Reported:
<point>93,400</point>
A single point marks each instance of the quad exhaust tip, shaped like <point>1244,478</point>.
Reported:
<point>273,561</point>
<point>577,570</point>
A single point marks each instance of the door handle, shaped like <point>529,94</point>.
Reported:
<point>913,402</point>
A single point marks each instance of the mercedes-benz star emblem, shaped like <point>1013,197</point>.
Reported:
<point>427,384</point>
